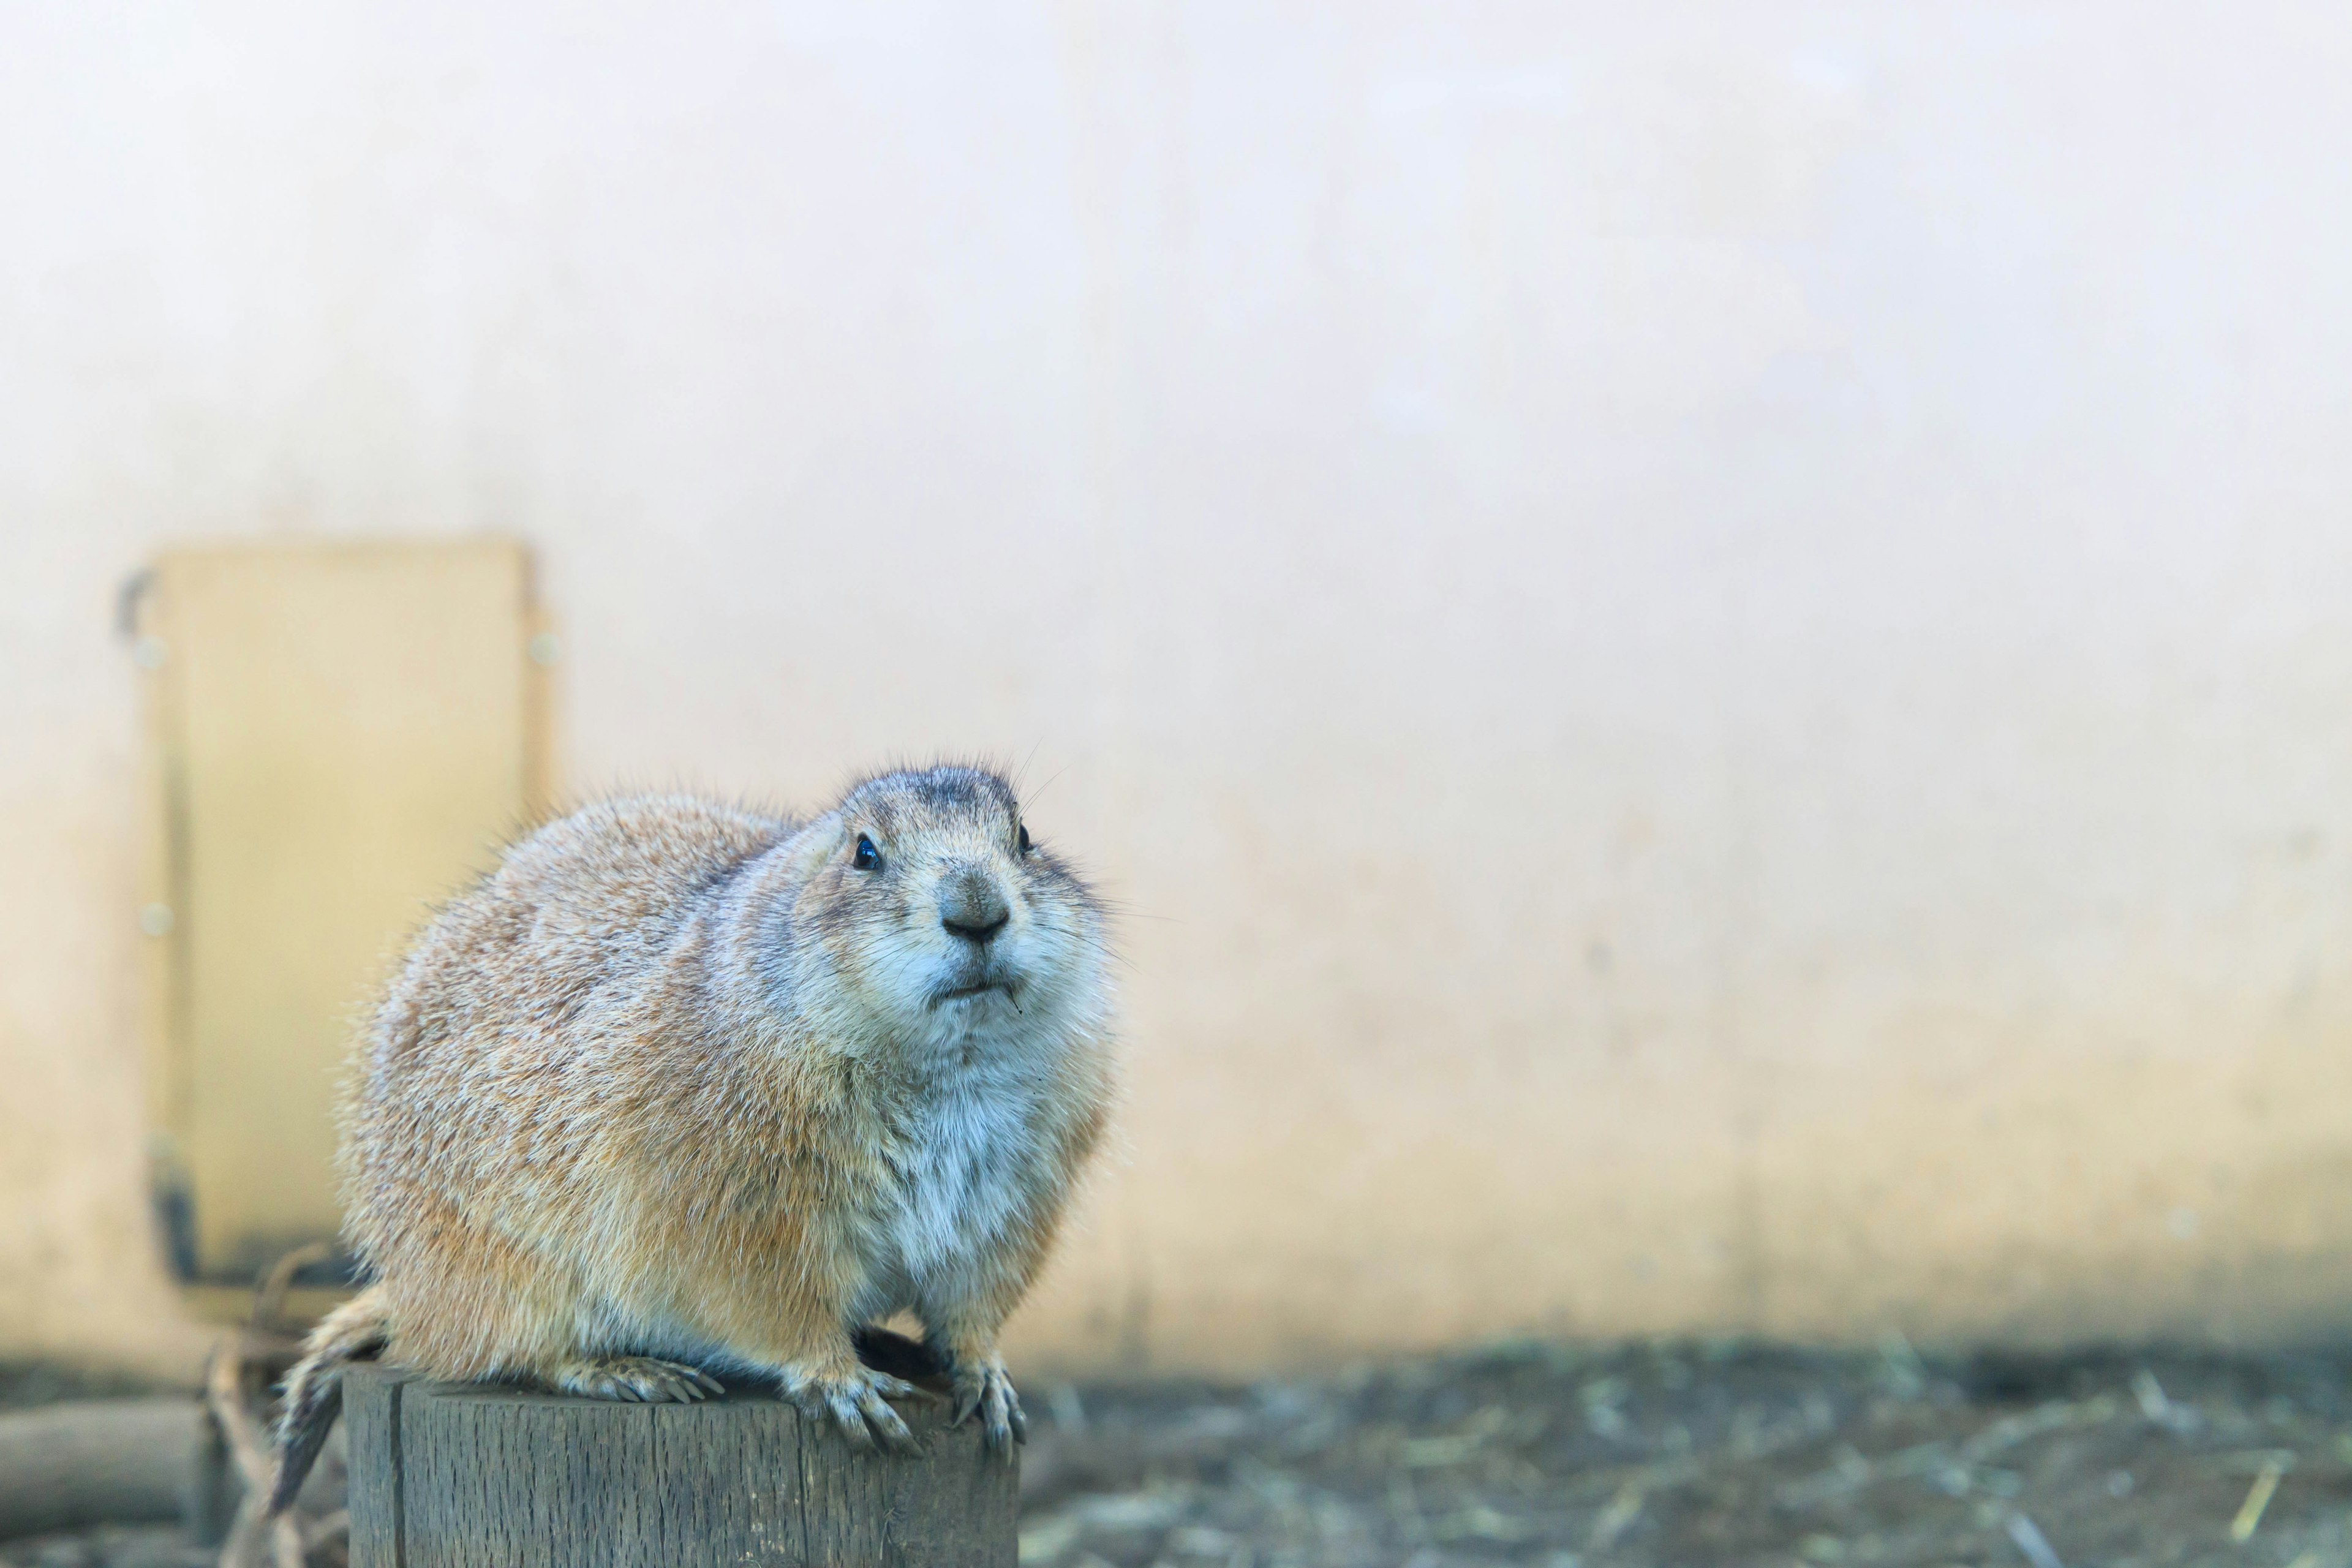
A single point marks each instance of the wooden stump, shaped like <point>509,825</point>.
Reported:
<point>460,1476</point>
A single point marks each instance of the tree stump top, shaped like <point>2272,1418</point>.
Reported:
<point>482,1476</point>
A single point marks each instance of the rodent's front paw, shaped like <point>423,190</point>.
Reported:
<point>854,1400</point>
<point>985,1388</point>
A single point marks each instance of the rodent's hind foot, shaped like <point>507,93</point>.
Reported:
<point>855,1401</point>
<point>639,1378</point>
<point>986,1390</point>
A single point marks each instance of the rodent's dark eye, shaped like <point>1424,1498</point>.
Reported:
<point>1025,845</point>
<point>869,858</point>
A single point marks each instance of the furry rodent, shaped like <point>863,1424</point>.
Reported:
<point>680,1088</point>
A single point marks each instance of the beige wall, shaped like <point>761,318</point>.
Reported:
<point>1707,643</point>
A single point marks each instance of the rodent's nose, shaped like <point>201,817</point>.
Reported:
<point>972,908</point>
<point>980,933</point>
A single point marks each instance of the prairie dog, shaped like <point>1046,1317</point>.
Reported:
<point>680,1088</point>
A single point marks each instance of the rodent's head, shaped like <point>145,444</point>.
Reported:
<point>940,914</point>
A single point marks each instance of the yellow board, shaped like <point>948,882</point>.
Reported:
<point>340,736</point>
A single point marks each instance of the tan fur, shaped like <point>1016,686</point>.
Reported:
<point>680,1088</point>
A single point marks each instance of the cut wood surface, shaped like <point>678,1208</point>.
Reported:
<point>447,1475</point>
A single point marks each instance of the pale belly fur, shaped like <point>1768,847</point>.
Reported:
<point>967,1170</point>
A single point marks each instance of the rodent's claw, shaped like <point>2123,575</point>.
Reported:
<point>856,1402</point>
<point>884,1423</point>
<point>987,1391</point>
<point>637,1379</point>
<point>813,1409</point>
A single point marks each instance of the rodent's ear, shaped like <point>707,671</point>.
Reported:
<point>812,846</point>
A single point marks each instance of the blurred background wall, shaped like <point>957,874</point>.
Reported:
<point>1707,643</point>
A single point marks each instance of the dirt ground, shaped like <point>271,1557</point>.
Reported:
<point>1682,1454</point>
<point>1688,1455</point>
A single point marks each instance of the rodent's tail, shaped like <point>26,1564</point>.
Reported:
<point>314,1389</point>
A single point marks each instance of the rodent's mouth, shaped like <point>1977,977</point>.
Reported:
<point>966,993</point>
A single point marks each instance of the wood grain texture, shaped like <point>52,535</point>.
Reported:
<point>481,1476</point>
